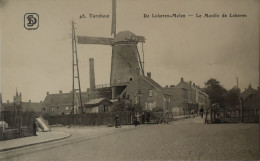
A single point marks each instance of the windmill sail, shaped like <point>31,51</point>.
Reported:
<point>94,40</point>
<point>113,26</point>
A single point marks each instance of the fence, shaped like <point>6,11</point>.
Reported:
<point>15,133</point>
<point>91,119</point>
<point>13,119</point>
<point>225,116</point>
<point>18,125</point>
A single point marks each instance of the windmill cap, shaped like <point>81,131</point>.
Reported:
<point>124,36</point>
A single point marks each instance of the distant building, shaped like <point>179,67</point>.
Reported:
<point>23,106</point>
<point>251,98</point>
<point>179,100</point>
<point>61,103</point>
<point>196,97</point>
<point>248,91</point>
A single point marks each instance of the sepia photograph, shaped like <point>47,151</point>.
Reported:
<point>129,80</point>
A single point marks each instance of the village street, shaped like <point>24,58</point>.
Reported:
<point>187,139</point>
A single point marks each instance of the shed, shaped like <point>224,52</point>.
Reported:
<point>98,105</point>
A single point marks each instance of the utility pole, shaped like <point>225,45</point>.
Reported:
<point>237,81</point>
<point>75,72</point>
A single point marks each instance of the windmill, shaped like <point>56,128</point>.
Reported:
<point>125,61</point>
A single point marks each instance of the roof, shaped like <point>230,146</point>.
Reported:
<point>151,82</point>
<point>97,101</point>
<point>172,90</point>
<point>35,106</point>
<point>66,98</point>
<point>123,36</point>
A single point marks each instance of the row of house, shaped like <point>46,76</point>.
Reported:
<point>178,99</point>
<point>141,91</point>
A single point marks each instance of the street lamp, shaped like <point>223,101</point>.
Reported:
<point>139,94</point>
<point>242,104</point>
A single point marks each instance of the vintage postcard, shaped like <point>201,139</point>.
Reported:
<point>129,80</point>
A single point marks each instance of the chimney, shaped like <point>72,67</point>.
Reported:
<point>7,101</point>
<point>190,83</point>
<point>60,91</point>
<point>193,84</point>
<point>30,101</point>
<point>149,74</point>
<point>47,93</point>
<point>91,74</point>
<point>182,79</point>
<point>40,101</point>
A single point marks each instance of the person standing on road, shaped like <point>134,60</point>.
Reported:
<point>117,120</point>
<point>202,111</point>
<point>206,117</point>
<point>136,119</point>
<point>143,118</point>
<point>148,117</point>
<point>34,128</point>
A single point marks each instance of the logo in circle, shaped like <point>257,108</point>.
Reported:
<point>31,21</point>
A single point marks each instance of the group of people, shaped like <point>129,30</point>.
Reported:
<point>206,114</point>
<point>138,119</point>
<point>141,118</point>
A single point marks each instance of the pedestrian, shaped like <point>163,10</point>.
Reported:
<point>206,117</point>
<point>135,119</point>
<point>166,118</point>
<point>143,118</point>
<point>202,111</point>
<point>148,118</point>
<point>34,128</point>
<point>117,120</point>
<point>138,118</point>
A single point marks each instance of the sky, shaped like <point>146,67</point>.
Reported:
<point>197,49</point>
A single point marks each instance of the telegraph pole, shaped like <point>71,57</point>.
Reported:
<point>75,72</point>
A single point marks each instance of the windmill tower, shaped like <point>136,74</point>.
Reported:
<point>125,61</point>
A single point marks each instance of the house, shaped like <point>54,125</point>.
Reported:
<point>148,94</point>
<point>21,105</point>
<point>98,105</point>
<point>179,99</point>
<point>250,97</point>
<point>61,103</point>
<point>197,99</point>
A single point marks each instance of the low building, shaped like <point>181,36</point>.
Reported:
<point>18,104</point>
<point>98,105</point>
<point>61,103</point>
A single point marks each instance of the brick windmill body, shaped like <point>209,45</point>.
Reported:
<point>125,61</point>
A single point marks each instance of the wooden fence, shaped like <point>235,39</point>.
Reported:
<point>91,119</point>
<point>224,116</point>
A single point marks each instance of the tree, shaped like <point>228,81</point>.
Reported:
<point>233,97</point>
<point>216,92</point>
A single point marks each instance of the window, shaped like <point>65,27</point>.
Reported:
<point>58,107</point>
<point>52,109</point>
<point>150,93</point>
<point>43,109</point>
<point>67,108</point>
